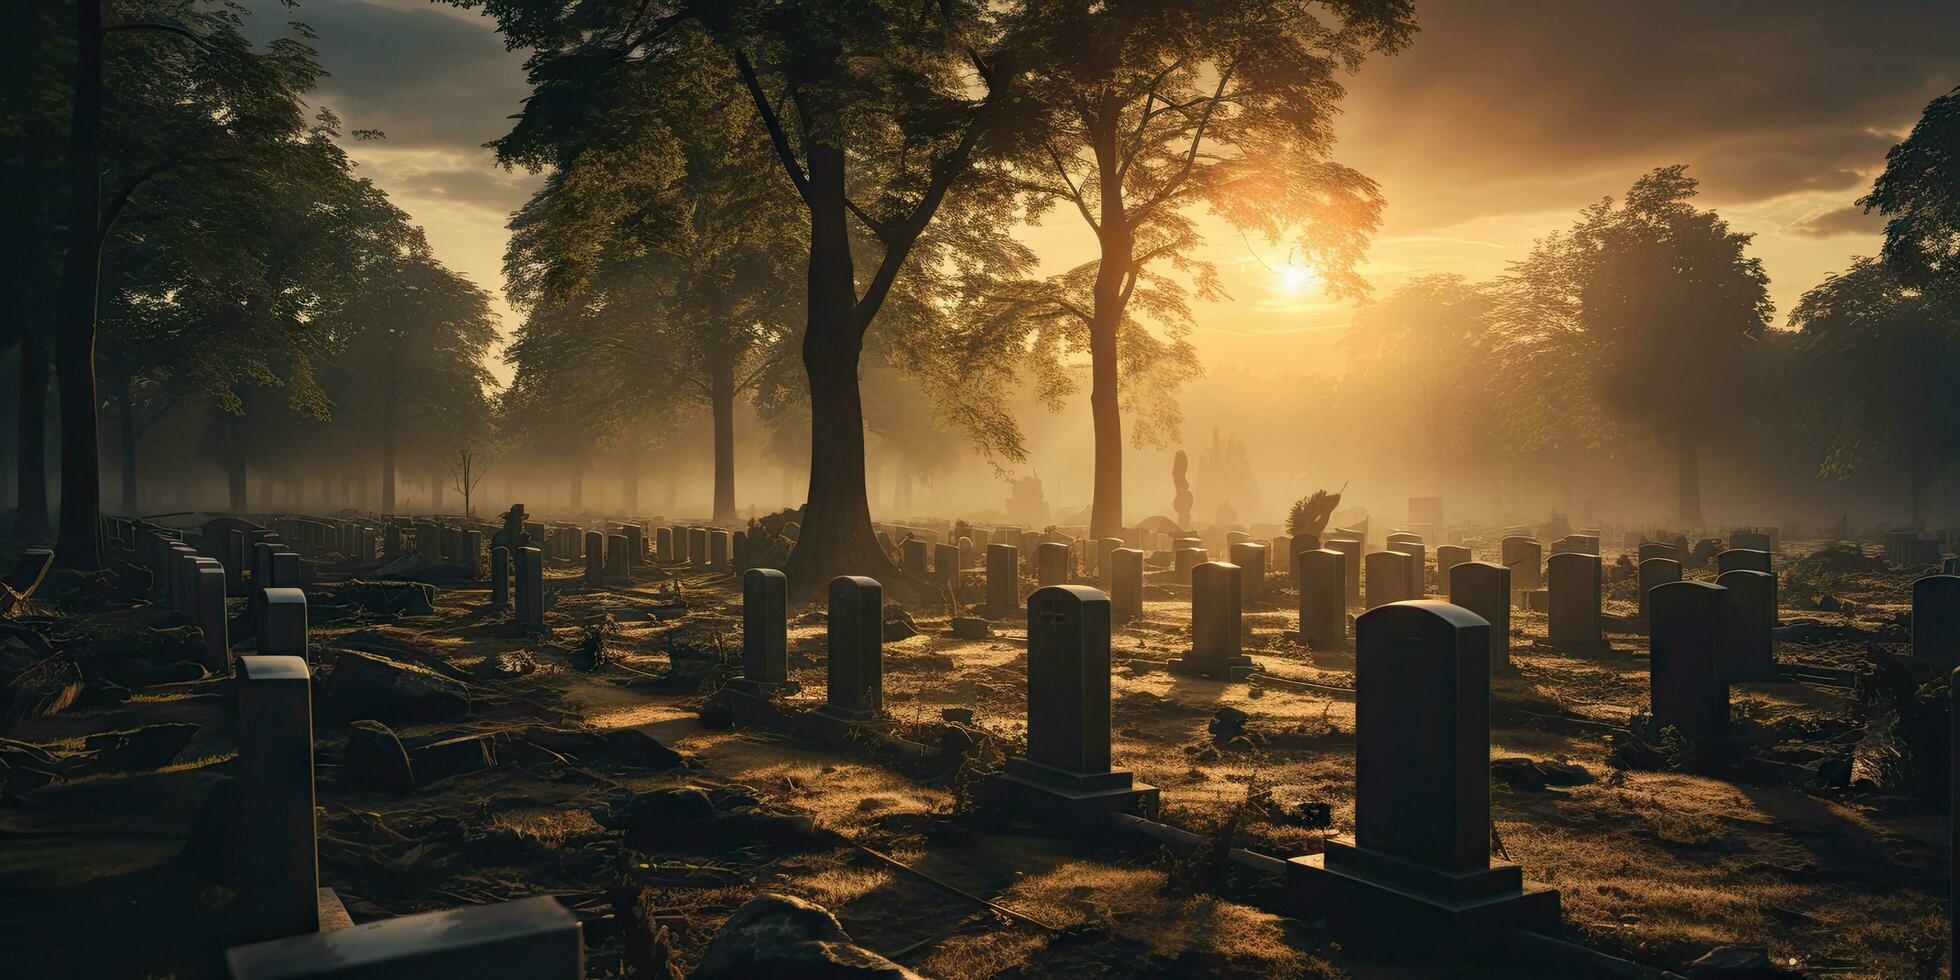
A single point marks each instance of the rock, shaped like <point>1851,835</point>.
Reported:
<point>959,716</point>
<point>1227,721</point>
<point>658,808</point>
<point>898,625</point>
<point>1517,773</point>
<point>367,685</point>
<point>1562,773</point>
<point>375,758</point>
<point>778,935</point>
<point>971,628</point>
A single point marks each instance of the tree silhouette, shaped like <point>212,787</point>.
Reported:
<point>1919,192</point>
<point>1162,107</point>
<point>1877,356</point>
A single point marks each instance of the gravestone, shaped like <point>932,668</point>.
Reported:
<point>1936,620</point>
<point>1387,577</point>
<point>679,536</point>
<point>1350,549</point>
<point>1104,547</point>
<point>1485,590</point>
<point>285,624</point>
<point>1447,557</point>
<point>212,618</point>
<point>946,565</point>
<point>1126,584</point>
<point>1572,616</point>
<point>720,549</point>
<point>1215,605</point>
<point>1003,580</point>
<point>470,550</point>
<point>765,631</point>
<point>1418,865</point>
<point>595,559</point>
<point>1321,577</point>
<point>1065,778</point>
<point>1250,556</point>
<point>499,578</point>
<point>856,682</point>
<point>1522,556</point>
<point>1653,549</point>
<point>1183,560</point>
<point>619,559</point>
<point>278,874</point>
<point>1736,558</point>
<point>1413,572</point>
<point>530,587</point>
<point>663,544</point>
<point>697,547</point>
<point>1687,688</point>
<point>1750,541</point>
<point>1653,572</point>
<point>1746,632</point>
<point>636,544</point>
<point>915,557</point>
<point>527,939</point>
<point>1051,565</point>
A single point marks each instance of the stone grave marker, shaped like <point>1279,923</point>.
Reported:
<point>499,578</point>
<point>946,565</point>
<point>1572,597</point>
<point>1350,549</point>
<point>1734,558</point>
<point>530,587</point>
<point>278,874</point>
<point>1126,583</point>
<point>1687,688</point>
<point>1653,549</point>
<point>595,559</point>
<point>1215,625</point>
<point>1420,852</point>
<point>1066,779</point>
<point>856,681</point>
<point>1447,557</point>
<point>1387,577</point>
<point>526,939</point>
<point>1321,577</point>
<point>1485,590</point>
<point>697,547</point>
<point>212,618</point>
<point>1653,572</point>
<point>765,632</point>
<point>285,624</point>
<point>1936,620</point>
<point>1250,556</point>
<point>1003,580</point>
<point>1414,586</point>
<point>1051,565</point>
<point>1522,556</point>
<point>720,549</point>
<point>915,556</point>
<point>619,559</point>
<point>663,544</point>
<point>1184,560</point>
<point>1746,632</point>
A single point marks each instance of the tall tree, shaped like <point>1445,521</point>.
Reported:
<point>1659,304</point>
<point>875,110</point>
<point>1166,107</point>
<point>1877,359</point>
<point>1919,192</point>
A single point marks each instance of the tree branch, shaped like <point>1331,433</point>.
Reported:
<point>164,28</point>
<point>1074,192</point>
<point>1191,156</point>
<point>777,137</point>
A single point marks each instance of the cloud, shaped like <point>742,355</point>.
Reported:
<point>427,75</point>
<point>477,187</point>
<point>1848,220</point>
<point>1546,103</point>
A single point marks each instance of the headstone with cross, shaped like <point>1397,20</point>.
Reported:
<point>1066,779</point>
<point>1418,865</point>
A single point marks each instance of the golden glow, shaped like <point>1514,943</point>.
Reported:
<point>1295,279</point>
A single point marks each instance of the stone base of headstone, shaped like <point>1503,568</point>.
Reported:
<point>1236,669</point>
<point>531,937</point>
<point>333,914</point>
<point>1027,791</point>
<point>754,704</point>
<point>1365,892</point>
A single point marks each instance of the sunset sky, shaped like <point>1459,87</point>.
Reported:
<point>1494,128</point>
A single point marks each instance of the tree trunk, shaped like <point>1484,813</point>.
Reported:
<point>126,423</point>
<point>721,389</point>
<point>31,446</point>
<point>629,483</point>
<point>389,424</point>
<point>1689,476</point>
<point>836,538</point>
<point>1117,245</point>
<point>79,545</point>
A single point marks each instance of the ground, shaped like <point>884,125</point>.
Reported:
<point>1658,865</point>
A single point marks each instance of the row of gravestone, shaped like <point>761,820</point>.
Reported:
<point>196,587</point>
<point>1422,814</point>
<point>698,547</point>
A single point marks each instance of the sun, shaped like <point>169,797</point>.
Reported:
<point>1295,279</point>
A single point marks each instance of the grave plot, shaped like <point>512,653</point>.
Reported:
<point>466,758</point>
